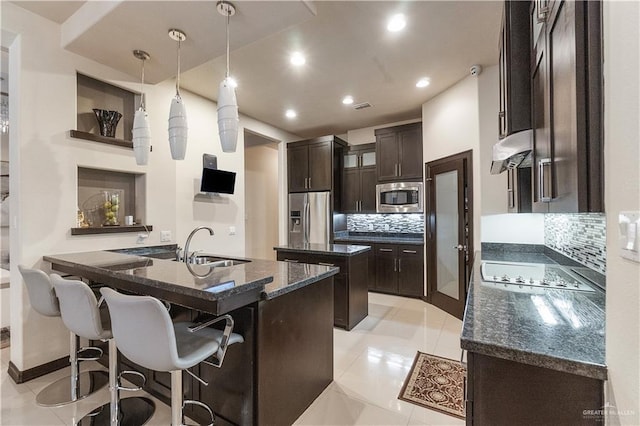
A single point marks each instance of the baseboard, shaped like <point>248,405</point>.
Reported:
<point>37,371</point>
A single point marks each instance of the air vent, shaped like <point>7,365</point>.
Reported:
<point>363,105</point>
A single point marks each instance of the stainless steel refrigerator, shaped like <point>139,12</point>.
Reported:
<point>309,218</point>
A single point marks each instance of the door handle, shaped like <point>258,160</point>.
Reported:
<point>399,169</point>
<point>309,183</point>
<point>395,265</point>
<point>291,260</point>
<point>409,251</point>
<point>459,247</point>
<point>543,164</point>
<point>400,265</point>
<point>385,250</point>
<point>501,129</point>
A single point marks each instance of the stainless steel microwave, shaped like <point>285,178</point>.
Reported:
<point>399,197</point>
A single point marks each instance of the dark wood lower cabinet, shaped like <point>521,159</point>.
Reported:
<point>284,363</point>
<point>503,392</point>
<point>400,269</point>
<point>351,297</point>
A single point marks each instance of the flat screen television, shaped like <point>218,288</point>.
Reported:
<point>219,181</point>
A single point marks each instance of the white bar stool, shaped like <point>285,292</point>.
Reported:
<point>80,313</point>
<point>78,385</point>
<point>145,334</point>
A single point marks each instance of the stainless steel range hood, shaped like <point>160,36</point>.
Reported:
<point>512,151</point>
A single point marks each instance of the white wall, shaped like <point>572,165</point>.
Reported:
<point>261,200</point>
<point>519,228</point>
<point>622,192</point>
<point>450,125</point>
<point>367,134</point>
<point>44,163</point>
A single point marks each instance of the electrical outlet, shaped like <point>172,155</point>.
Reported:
<point>165,236</point>
<point>232,230</point>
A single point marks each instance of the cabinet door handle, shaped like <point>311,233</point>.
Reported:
<point>399,169</point>
<point>326,264</point>
<point>360,208</point>
<point>542,12</point>
<point>409,251</point>
<point>400,265</point>
<point>291,260</point>
<point>395,265</point>
<point>309,183</point>
<point>385,249</point>
<point>544,164</point>
<point>501,129</point>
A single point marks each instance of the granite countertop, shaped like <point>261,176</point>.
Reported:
<point>332,249</point>
<point>267,279</point>
<point>378,237</point>
<point>562,330</point>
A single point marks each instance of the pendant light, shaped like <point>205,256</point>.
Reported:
<point>141,131</point>
<point>178,114</point>
<point>227,103</point>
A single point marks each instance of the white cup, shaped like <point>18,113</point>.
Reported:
<point>128,220</point>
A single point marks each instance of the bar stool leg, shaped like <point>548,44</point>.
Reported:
<point>113,381</point>
<point>75,387</point>
<point>176,398</point>
<point>134,411</point>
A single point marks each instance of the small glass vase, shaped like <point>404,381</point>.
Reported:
<point>111,206</point>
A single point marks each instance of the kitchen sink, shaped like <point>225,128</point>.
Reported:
<point>215,261</point>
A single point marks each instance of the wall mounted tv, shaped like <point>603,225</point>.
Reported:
<point>218,181</point>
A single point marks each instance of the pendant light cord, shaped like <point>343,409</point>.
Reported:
<point>178,75</point>
<point>228,13</point>
<point>142,87</point>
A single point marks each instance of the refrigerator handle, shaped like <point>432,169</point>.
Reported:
<point>307,219</point>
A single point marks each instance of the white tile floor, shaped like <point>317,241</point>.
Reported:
<point>371,363</point>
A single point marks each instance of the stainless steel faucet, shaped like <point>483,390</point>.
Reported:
<point>186,245</point>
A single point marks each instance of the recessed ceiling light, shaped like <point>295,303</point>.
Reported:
<point>423,82</point>
<point>396,23</point>
<point>347,100</point>
<point>297,59</point>
<point>291,113</point>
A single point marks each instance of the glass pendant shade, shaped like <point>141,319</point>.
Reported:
<point>141,137</point>
<point>227,116</point>
<point>178,130</point>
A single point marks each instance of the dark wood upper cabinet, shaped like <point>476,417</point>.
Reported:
<point>315,164</point>
<point>399,152</point>
<point>566,81</point>
<point>514,69</point>
<point>359,179</point>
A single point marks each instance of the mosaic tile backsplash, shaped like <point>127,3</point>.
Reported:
<point>581,237</point>
<point>397,223</point>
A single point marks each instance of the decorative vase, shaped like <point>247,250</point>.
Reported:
<point>108,121</point>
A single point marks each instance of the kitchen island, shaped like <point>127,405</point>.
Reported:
<point>536,355</point>
<point>284,312</point>
<point>350,295</point>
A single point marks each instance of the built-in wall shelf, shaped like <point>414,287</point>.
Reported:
<point>111,229</point>
<point>77,134</point>
<point>92,93</point>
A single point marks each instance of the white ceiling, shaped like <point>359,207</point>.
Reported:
<point>347,47</point>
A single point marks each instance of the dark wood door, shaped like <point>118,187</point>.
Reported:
<point>368,181</point>
<point>386,268</point>
<point>350,190</point>
<point>449,217</point>
<point>319,165</point>
<point>298,170</point>
<point>542,152</point>
<point>410,146</point>
<point>410,270</point>
<point>387,156</point>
